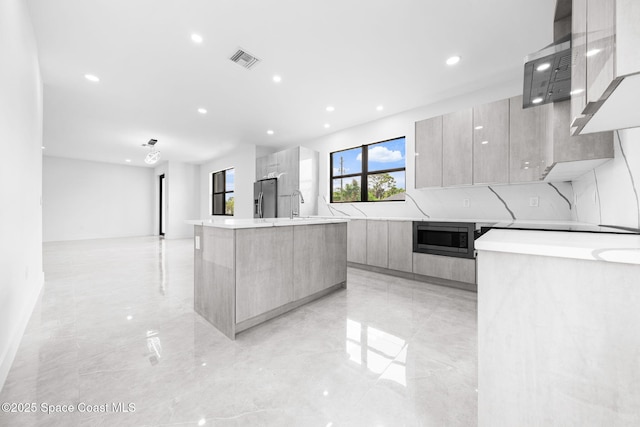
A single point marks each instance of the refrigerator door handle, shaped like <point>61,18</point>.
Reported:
<point>260,200</point>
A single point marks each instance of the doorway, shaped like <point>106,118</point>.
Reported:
<point>161,192</point>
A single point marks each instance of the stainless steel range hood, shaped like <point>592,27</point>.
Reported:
<point>547,73</point>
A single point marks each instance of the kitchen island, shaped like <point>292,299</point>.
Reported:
<point>252,270</point>
<point>558,315</point>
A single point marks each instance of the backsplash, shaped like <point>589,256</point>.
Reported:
<point>494,202</point>
<point>609,194</point>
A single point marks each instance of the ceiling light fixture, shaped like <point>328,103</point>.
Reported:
<point>127,160</point>
<point>277,78</point>
<point>43,147</point>
<point>202,111</point>
<point>153,155</point>
<point>379,108</point>
<point>543,67</point>
<point>330,108</point>
<point>91,78</point>
<point>453,60</point>
<point>484,142</point>
<point>478,127</point>
<point>327,125</point>
<point>537,100</point>
<point>196,38</point>
<point>270,132</point>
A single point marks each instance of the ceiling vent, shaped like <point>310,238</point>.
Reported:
<point>244,58</point>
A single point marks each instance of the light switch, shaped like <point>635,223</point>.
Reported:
<point>465,203</point>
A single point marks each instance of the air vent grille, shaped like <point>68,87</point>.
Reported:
<point>244,58</point>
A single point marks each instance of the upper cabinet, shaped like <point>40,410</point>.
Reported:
<point>605,75</point>
<point>529,131</point>
<point>429,152</point>
<point>491,143</point>
<point>500,142</point>
<point>457,152</point>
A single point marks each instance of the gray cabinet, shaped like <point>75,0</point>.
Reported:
<point>263,283</point>
<point>288,179</point>
<point>428,148</point>
<point>357,241</point>
<point>378,243</point>
<point>457,150</point>
<point>445,267</point>
<point>605,43</point>
<point>491,143</point>
<point>529,131</point>
<point>325,245</point>
<point>401,246</point>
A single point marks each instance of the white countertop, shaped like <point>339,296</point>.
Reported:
<point>619,248</point>
<point>265,222</point>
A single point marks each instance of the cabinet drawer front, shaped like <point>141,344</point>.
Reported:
<point>444,267</point>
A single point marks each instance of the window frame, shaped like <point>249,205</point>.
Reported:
<point>364,173</point>
<point>224,192</point>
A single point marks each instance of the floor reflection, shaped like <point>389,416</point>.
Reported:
<point>378,351</point>
<point>162,258</point>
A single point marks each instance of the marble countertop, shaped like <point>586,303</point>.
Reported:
<point>620,248</point>
<point>234,223</point>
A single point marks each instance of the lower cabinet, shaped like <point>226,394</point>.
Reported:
<point>357,241</point>
<point>325,245</point>
<point>401,246</point>
<point>445,267</point>
<point>263,282</point>
<point>378,243</point>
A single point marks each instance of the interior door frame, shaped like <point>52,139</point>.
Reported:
<point>161,185</point>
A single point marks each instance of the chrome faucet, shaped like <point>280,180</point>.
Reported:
<point>295,212</point>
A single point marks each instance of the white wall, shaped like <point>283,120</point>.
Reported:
<point>609,194</point>
<point>182,198</point>
<point>484,204</point>
<point>21,276</point>
<point>244,162</point>
<point>91,200</point>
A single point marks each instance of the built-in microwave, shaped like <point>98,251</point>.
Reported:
<point>444,238</point>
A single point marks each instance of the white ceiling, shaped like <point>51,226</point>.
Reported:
<point>352,54</point>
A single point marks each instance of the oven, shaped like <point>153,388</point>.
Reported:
<point>444,238</point>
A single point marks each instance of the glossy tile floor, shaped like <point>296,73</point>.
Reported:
<point>115,325</point>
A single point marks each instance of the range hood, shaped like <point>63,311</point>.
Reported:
<point>547,73</point>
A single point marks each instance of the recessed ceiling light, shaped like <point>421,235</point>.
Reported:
<point>484,142</point>
<point>196,38</point>
<point>576,91</point>
<point>330,108</point>
<point>593,52</point>
<point>453,60</point>
<point>91,78</point>
<point>202,111</point>
<point>43,147</point>
<point>270,132</point>
<point>478,127</point>
<point>129,317</point>
<point>277,78</point>
<point>327,125</point>
<point>543,67</point>
<point>202,422</point>
<point>536,100</point>
<point>379,108</point>
<point>127,160</point>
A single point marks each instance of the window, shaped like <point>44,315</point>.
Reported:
<point>222,185</point>
<point>370,173</point>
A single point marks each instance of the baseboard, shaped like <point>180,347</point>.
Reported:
<point>6,361</point>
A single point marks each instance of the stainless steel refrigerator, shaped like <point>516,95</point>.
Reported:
<point>265,198</point>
